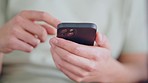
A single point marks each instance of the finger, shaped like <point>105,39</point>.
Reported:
<point>7,50</point>
<point>73,69</point>
<point>19,45</point>
<point>71,75</point>
<point>102,41</point>
<point>56,58</point>
<point>91,79</point>
<point>88,52</point>
<point>50,30</point>
<point>57,61</point>
<point>33,28</point>
<point>67,66</point>
<point>27,37</point>
<point>81,62</point>
<point>40,16</point>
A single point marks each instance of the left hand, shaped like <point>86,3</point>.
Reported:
<point>84,63</point>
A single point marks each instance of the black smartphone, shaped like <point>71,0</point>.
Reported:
<point>82,33</point>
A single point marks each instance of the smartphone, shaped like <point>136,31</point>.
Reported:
<point>82,33</point>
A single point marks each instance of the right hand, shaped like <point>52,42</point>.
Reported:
<point>21,33</point>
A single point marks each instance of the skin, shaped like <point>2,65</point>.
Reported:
<point>79,62</point>
<point>94,63</point>
<point>24,34</point>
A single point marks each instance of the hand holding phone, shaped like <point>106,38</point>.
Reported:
<point>82,33</point>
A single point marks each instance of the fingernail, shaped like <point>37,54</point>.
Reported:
<point>38,41</point>
<point>31,48</point>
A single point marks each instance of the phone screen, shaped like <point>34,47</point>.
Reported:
<point>82,33</point>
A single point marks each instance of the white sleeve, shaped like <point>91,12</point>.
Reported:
<point>136,34</point>
<point>3,9</point>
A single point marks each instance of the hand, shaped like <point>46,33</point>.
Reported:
<point>84,63</point>
<point>22,33</point>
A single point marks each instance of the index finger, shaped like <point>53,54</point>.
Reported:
<point>77,49</point>
<point>40,16</point>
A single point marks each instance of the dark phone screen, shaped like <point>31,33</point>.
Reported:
<point>85,36</point>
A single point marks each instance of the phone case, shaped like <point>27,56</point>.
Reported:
<point>82,33</point>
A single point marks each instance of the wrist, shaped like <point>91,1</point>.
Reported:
<point>125,73</point>
<point>134,74</point>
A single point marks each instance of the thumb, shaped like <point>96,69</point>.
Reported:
<point>102,41</point>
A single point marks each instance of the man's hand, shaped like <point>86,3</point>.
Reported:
<point>94,63</point>
<point>22,33</point>
<point>84,63</point>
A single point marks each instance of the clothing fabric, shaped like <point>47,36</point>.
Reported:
<point>123,21</point>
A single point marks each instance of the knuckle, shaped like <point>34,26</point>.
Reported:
<point>78,80</point>
<point>91,68</point>
<point>14,31</point>
<point>43,15</point>
<point>9,50</point>
<point>84,74</point>
<point>10,42</point>
<point>66,57</point>
<point>76,50</point>
<point>94,57</point>
<point>43,34</point>
<point>69,57</point>
<point>18,20</point>
<point>42,31</point>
